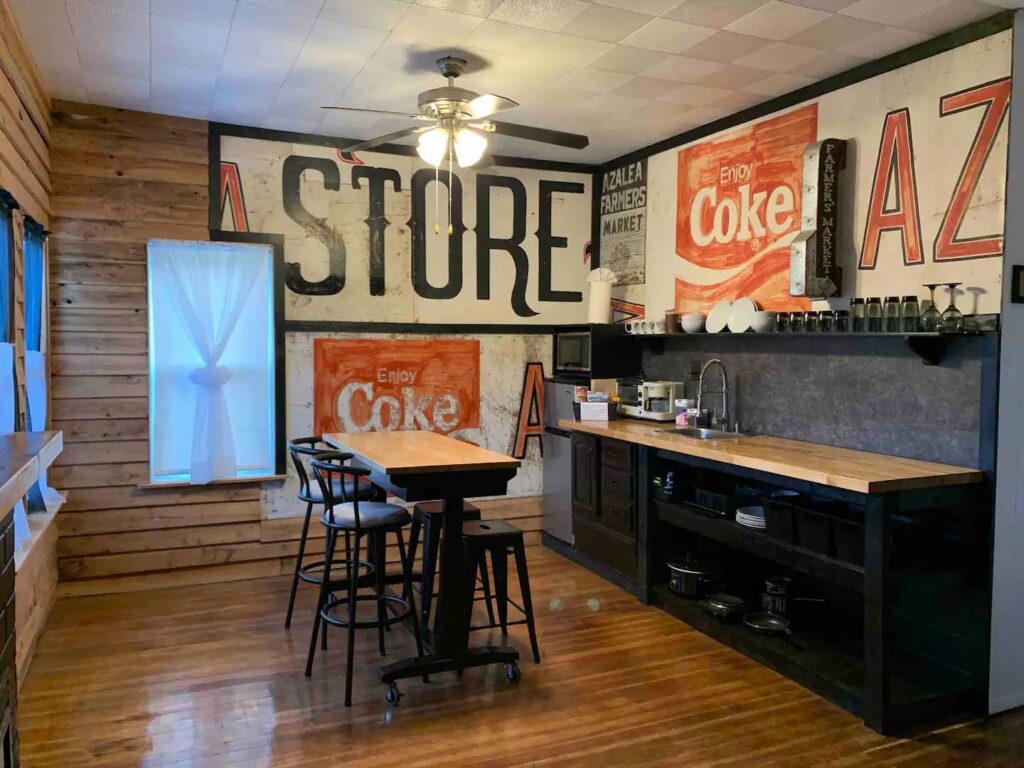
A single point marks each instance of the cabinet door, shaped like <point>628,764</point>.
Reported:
<point>584,475</point>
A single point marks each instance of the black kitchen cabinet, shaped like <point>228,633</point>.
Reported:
<point>604,501</point>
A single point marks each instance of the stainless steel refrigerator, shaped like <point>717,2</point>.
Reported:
<point>557,499</point>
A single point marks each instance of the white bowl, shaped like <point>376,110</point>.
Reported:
<point>742,315</point>
<point>763,322</point>
<point>718,317</point>
<point>693,322</point>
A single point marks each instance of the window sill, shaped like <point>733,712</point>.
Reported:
<point>230,481</point>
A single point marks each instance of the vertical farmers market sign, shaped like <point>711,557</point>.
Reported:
<point>381,385</point>
<point>624,221</point>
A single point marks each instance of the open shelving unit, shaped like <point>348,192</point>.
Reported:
<point>931,347</point>
<point>731,533</point>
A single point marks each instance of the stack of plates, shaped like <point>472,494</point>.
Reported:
<point>751,517</point>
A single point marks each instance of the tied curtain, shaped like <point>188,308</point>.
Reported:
<point>208,292</point>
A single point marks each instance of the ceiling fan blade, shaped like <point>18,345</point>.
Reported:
<point>385,139</point>
<point>488,104</point>
<point>380,112</point>
<point>530,133</point>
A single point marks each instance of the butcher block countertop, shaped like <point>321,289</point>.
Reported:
<point>858,471</point>
<point>23,455</point>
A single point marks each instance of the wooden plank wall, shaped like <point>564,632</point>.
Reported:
<point>121,178</point>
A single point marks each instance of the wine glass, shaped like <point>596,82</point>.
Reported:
<point>930,317</point>
<point>952,318</point>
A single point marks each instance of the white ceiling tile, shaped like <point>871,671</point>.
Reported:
<point>95,21</point>
<point>178,94</point>
<point>885,41</point>
<point>378,14</point>
<point>695,95</point>
<point>713,13</point>
<point>539,14</point>
<point>592,80</point>
<point>777,20</point>
<point>177,40</point>
<point>439,28</point>
<point>601,22</point>
<point>705,115</point>
<point>835,32</point>
<point>734,77</point>
<point>499,37</point>
<point>622,58</point>
<point>780,57</point>
<point>737,101</point>
<point>949,16</point>
<point>726,47</point>
<point>667,36</point>
<point>248,54</point>
<point>890,13</point>
<point>216,13</point>
<point>683,69</point>
<point>641,87</point>
<point>106,86</point>
<point>61,81</point>
<point>44,23</point>
<point>482,8</point>
<point>824,5</point>
<point>289,123</point>
<point>574,51</point>
<point>332,55</point>
<point>1015,4</point>
<point>830,63</point>
<point>198,81</point>
<point>95,63</point>
<point>650,7</point>
<point>308,7</point>
<point>778,84</point>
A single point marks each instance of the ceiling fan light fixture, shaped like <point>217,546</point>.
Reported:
<point>469,147</point>
<point>432,146</point>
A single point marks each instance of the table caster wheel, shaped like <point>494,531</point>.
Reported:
<point>512,672</point>
<point>393,695</point>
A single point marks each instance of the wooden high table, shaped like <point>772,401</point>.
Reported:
<point>424,466</point>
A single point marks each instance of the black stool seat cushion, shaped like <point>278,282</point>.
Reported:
<point>372,514</point>
<point>490,529</point>
<point>365,490</point>
<point>469,511</point>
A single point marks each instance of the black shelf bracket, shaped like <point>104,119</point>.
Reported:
<point>931,348</point>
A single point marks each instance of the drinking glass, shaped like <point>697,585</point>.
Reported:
<point>811,322</point>
<point>930,318</point>
<point>826,321</point>
<point>952,318</point>
<point>873,315</point>
<point>842,321</point>
<point>782,322</point>
<point>909,313</point>
<point>891,314</point>
<point>796,322</point>
<point>857,323</point>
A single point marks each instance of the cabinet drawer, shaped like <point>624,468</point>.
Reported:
<point>618,517</point>
<point>617,454</point>
<point>606,546</point>
<point>616,487</point>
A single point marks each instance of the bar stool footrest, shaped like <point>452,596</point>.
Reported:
<point>394,618</point>
<point>340,565</point>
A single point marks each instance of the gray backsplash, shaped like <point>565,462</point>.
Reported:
<point>871,394</point>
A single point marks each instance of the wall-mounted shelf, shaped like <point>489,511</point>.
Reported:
<point>931,347</point>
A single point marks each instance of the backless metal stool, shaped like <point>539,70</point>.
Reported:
<point>373,520</point>
<point>501,539</point>
<point>302,449</point>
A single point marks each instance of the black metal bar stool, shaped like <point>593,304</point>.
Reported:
<point>373,519</point>
<point>428,520</point>
<point>500,539</point>
<point>312,447</point>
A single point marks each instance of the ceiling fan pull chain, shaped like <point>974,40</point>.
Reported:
<point>451,151</point>
<point>437,200</point>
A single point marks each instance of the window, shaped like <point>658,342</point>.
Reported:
<point>212,351</point>
<point>35,237</point>
<point>6,274</point>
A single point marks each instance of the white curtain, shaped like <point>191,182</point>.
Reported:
<point>21,532</point>
<point>35,384</point>
<point>208,291</point>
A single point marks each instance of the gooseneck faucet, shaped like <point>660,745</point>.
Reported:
<point>724,392</point>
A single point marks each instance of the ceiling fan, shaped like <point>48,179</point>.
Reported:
<point>459,122</point>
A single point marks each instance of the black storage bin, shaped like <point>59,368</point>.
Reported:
<point>778,514</point>
<point>848,535</point>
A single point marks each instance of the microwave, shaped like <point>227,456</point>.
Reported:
<point>595,351</point>
<point>572,353</point>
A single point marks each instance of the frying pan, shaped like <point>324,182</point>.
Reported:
<point>765,623</point>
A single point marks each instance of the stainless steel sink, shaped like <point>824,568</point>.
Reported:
<point>702,433</point>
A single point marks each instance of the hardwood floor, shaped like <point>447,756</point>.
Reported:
<point>207,676</point>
